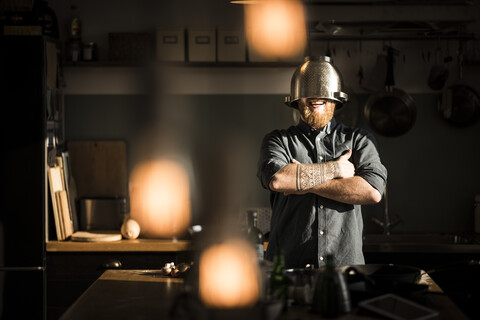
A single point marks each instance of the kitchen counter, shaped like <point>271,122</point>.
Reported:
<point>72,267</point>
<point>137,245</point>
<point>422,243</point>
<point>428,243</point>
<point>144,294</point>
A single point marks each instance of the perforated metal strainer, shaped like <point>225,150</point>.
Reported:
<point>317,77</point>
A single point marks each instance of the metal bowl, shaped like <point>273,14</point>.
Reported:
<point>317,77</point>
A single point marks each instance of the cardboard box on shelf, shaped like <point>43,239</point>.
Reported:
<point>231,45</point>
<point>202,45</point>
<point>170,44</point>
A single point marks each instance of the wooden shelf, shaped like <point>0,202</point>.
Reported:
<point>137,245</point>
<point>318,36</point>
<point>213,64</point>
<point>395,3</point>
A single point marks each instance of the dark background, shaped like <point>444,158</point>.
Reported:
<point>433,168</point>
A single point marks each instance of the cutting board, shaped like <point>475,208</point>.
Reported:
<point>99,168</point>
<point>96,236</point>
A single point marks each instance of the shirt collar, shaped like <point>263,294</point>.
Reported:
<point>305,128</point>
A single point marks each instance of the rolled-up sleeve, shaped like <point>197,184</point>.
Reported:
<point>273,157</point>
<point>367,161</point>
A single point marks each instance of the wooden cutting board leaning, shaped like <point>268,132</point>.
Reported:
<point>100,171</point>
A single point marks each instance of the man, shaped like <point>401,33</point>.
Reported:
<point>319,173</point>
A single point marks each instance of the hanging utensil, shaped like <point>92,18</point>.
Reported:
<point>360,74</point>
<point>459,104</point>
<point>392,112</point>
<point>438,73</point>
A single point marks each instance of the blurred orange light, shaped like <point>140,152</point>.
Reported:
<point>276,28</point>
<point>229,275</point>
<point>160,198</point>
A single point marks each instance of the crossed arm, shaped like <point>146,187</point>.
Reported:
<point>334,180</point>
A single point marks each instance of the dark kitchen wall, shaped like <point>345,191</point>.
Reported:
<point>434,169</point>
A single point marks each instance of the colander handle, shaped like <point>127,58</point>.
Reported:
<point>342,96</point>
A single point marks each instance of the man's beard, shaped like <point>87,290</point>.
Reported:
<point>317,119</point>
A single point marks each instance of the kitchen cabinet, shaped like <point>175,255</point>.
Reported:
<point>28,91</point>
<point>74,266</point>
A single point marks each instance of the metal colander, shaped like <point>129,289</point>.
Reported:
<point>317,77</point>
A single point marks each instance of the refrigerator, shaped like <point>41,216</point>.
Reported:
<point>23,103</point>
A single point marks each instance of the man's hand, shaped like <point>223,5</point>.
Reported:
<point>343,167</point>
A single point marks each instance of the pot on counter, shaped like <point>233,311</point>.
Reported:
<point>370,280</point>
<point>391,275</point>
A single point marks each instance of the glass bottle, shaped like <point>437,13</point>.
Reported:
<point>47,18</point>
<point>255,235</point>
<point>325,299</point>
<point>75,27</point>
<point>278,281</point>
<point>477,214</point>
<point>74,43</point>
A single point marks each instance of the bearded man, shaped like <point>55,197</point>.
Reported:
<point>319,173</point>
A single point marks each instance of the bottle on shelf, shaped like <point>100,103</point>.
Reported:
<point>46,18</point>
<point>477,214</point>
<point>74,42</point>
<point>75,26</point>
<point>255,235</point>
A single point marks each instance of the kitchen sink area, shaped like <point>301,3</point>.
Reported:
<point>451,260</point>
<point>424,242</point>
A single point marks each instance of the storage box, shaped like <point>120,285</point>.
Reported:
<point>129,47</point>
<point>231,45</point>
<point>201,45</point>
<point>170,44</point>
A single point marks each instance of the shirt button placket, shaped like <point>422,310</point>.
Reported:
<point>322,240</point>
<point>320,149</point>
<point>322,218</point>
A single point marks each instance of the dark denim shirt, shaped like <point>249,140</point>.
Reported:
<point>308,227</point>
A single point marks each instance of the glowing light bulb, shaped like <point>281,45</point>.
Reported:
<point>160,198</point>
<point>276,28</point>
<point>229,275</point>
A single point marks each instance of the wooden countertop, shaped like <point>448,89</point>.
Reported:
<point>145,294</point>
<point>137,245</point>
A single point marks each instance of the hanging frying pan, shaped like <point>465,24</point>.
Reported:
<point>459,104</point>
<point>391,112</point>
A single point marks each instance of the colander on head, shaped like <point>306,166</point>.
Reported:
<point>317,77</point>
